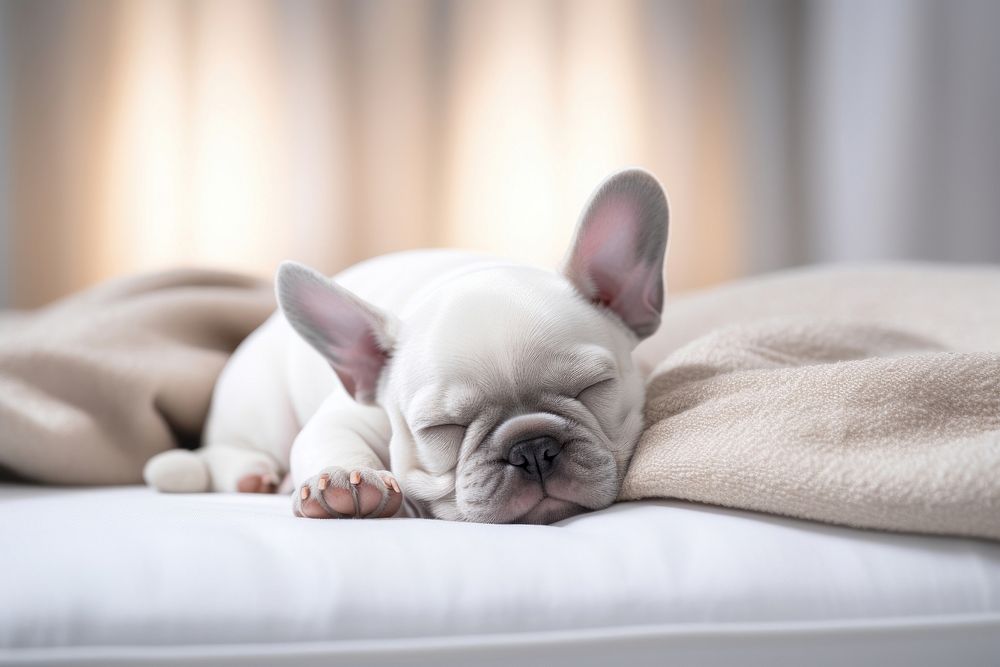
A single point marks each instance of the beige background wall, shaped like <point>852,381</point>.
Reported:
<point>140,134</point>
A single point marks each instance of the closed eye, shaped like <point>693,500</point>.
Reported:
<point>443,436</point>
<point>438,446</point>
<point>438,427</point>
<point>600,384</point>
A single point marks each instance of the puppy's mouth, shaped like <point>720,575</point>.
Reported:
<point>540,501</point>
<point>549,509</point>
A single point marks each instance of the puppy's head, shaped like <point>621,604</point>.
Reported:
<point>511,389</point>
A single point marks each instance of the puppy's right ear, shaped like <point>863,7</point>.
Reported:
<point>354,336</point>
<point>616,260</point>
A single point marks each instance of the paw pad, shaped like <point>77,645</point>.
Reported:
<point>337,493</point>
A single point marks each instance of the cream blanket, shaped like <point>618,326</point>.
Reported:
<point>94,385</point>
<point>868,397</point>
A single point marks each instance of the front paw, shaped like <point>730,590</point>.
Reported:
<point>339,493</point>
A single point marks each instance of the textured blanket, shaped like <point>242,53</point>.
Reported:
<point>94,385</point>
<point>866,397</point>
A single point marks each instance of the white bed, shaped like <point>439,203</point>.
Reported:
<point>124,576</point>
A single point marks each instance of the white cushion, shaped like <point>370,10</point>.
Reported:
<point>112,567</point>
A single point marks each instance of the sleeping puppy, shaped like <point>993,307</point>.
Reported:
<point>462,387</point>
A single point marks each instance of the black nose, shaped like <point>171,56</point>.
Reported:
<point>537,456</point>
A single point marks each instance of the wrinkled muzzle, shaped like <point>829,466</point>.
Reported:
<point>537,468</point>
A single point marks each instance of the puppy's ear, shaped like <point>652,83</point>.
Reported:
<point>616,259</point>
<point>354,336</point>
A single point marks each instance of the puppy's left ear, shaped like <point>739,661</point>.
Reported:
<point>616,259</point>
<point>354,336</point>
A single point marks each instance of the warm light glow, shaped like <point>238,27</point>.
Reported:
<point>241,134</point>
<point>144,185</point>
<point>238,183</point>
<point>193,175</point>
<point>551,107</point>
<point>502,168</point>
<point>604,126</point>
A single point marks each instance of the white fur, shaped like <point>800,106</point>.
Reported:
<point>515,347</point>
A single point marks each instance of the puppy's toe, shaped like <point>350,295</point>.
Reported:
<point>378,493</point>
<point>337,493</point>
<point>370,491</point>
<point>257,483</point>
<point>340,500</point>
<point>307,504</point>
<point>394,501</point>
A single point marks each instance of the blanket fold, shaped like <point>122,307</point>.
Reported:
<point>865,397</point>
<point>94,385</point>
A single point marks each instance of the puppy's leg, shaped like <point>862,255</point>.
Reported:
<point>249,429</point>
<point>239,468</point>
<point>218,467</point>
<point>340,463</point>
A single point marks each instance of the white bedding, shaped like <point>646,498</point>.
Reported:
<point>90,574</point>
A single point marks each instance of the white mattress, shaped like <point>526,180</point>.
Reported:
<point>95,576</point>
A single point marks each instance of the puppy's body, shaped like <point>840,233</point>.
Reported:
<point>276,382</point>
<point>479,388</point>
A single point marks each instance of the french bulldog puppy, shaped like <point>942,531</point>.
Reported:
<point>446,384</point>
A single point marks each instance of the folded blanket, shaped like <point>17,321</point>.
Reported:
<point>866,397</point>
<point>94,385</point>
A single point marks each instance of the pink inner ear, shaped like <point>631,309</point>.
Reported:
<point>608,267</point>
<point>609,239</point>
<point>342,330</point>
<point>637,297</point>
<point>359,366</point>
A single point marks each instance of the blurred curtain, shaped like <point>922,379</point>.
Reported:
<point>141,134</point>
<point>903,145</point>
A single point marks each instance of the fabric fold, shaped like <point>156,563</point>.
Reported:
<point>865,397</point>
<point>94,385</point>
